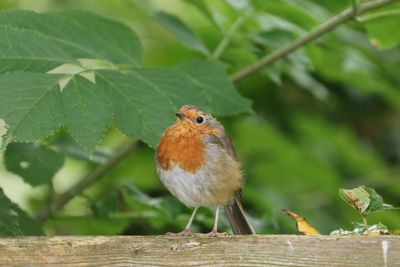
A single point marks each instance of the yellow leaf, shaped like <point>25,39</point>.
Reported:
<point>302,224</point>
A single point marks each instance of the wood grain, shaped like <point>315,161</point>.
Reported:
<point>259,250</point>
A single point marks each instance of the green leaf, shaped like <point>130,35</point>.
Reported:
<point>104,207</point>
<point>35,163</point>
<point>341,62</point>
<point>14,221</point>
<point>30,104</point>
<point>182,32</point>
<point>81,34</point>
<point>364,199</point>
<point>38,108</point>
<point>210,76</point>
<point>358,198</point>
<point>144,204</point>
<point>238,4</point>
<point>289,12</point>
<point>382,26</point>
<point>141,107</point>
<point>87,110</point>
<point>22,49</point>
<point>307,82</point>
<point>202,6</point>
<point>376,203</point>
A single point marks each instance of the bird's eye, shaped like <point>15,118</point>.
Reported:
<point>199,119</point>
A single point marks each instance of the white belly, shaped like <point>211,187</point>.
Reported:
<point>214,184</point>
<point>189,188</point>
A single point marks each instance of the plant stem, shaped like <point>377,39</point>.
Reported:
<point>394,12</point>
<point>322,29</point>
<point>61,200</point>
<point>228,35</point>
<point>365,223</point>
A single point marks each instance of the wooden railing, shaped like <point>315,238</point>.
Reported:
<point>259,250</point>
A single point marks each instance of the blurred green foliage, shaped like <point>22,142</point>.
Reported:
<point>325,117</point>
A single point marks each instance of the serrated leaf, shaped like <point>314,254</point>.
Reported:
<point>140,107</point>
<point>22,49</point>
<point>81,34</point>
<point>143,101</point>
<point>358,198</point>
<point>200,5</point>
<point>364,199</point>
<point>14,221</point>
<point>182,32</point>
<point>87,110</point>
<point>30,104</point>
<point>36,164</point>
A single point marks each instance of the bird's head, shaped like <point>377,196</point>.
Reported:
<point>195,120</point>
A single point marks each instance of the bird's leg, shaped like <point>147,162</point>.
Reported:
<point>214,231</point>
<point>186,231</point>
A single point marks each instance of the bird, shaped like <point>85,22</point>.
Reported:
<point>197,162</point>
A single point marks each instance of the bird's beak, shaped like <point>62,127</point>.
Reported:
<point>180,115</point>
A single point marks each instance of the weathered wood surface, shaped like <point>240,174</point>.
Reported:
<point>260,250</point>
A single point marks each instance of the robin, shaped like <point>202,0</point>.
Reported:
<point>197,163</point>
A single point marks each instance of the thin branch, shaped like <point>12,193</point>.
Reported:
<point>325,27</point>
<point>229,34</point>
<point>393,12</point>
<point>61,200</point>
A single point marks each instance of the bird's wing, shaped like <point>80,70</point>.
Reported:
<point>224,141</point>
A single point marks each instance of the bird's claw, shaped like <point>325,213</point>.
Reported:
<point>214,234</point>
<point>185,232</point>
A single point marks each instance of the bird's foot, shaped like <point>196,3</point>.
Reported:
<point>214,233</point>
<point>185,232</point>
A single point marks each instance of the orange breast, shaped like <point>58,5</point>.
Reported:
<point>183,147</point>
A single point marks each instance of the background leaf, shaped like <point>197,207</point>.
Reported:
<point>67,146</point>
<point>387,18</point>
<point>35,163</point>
<point>14,221</point>
<point>187,37</point>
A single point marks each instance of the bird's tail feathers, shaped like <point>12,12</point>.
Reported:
<point>237,218</point>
